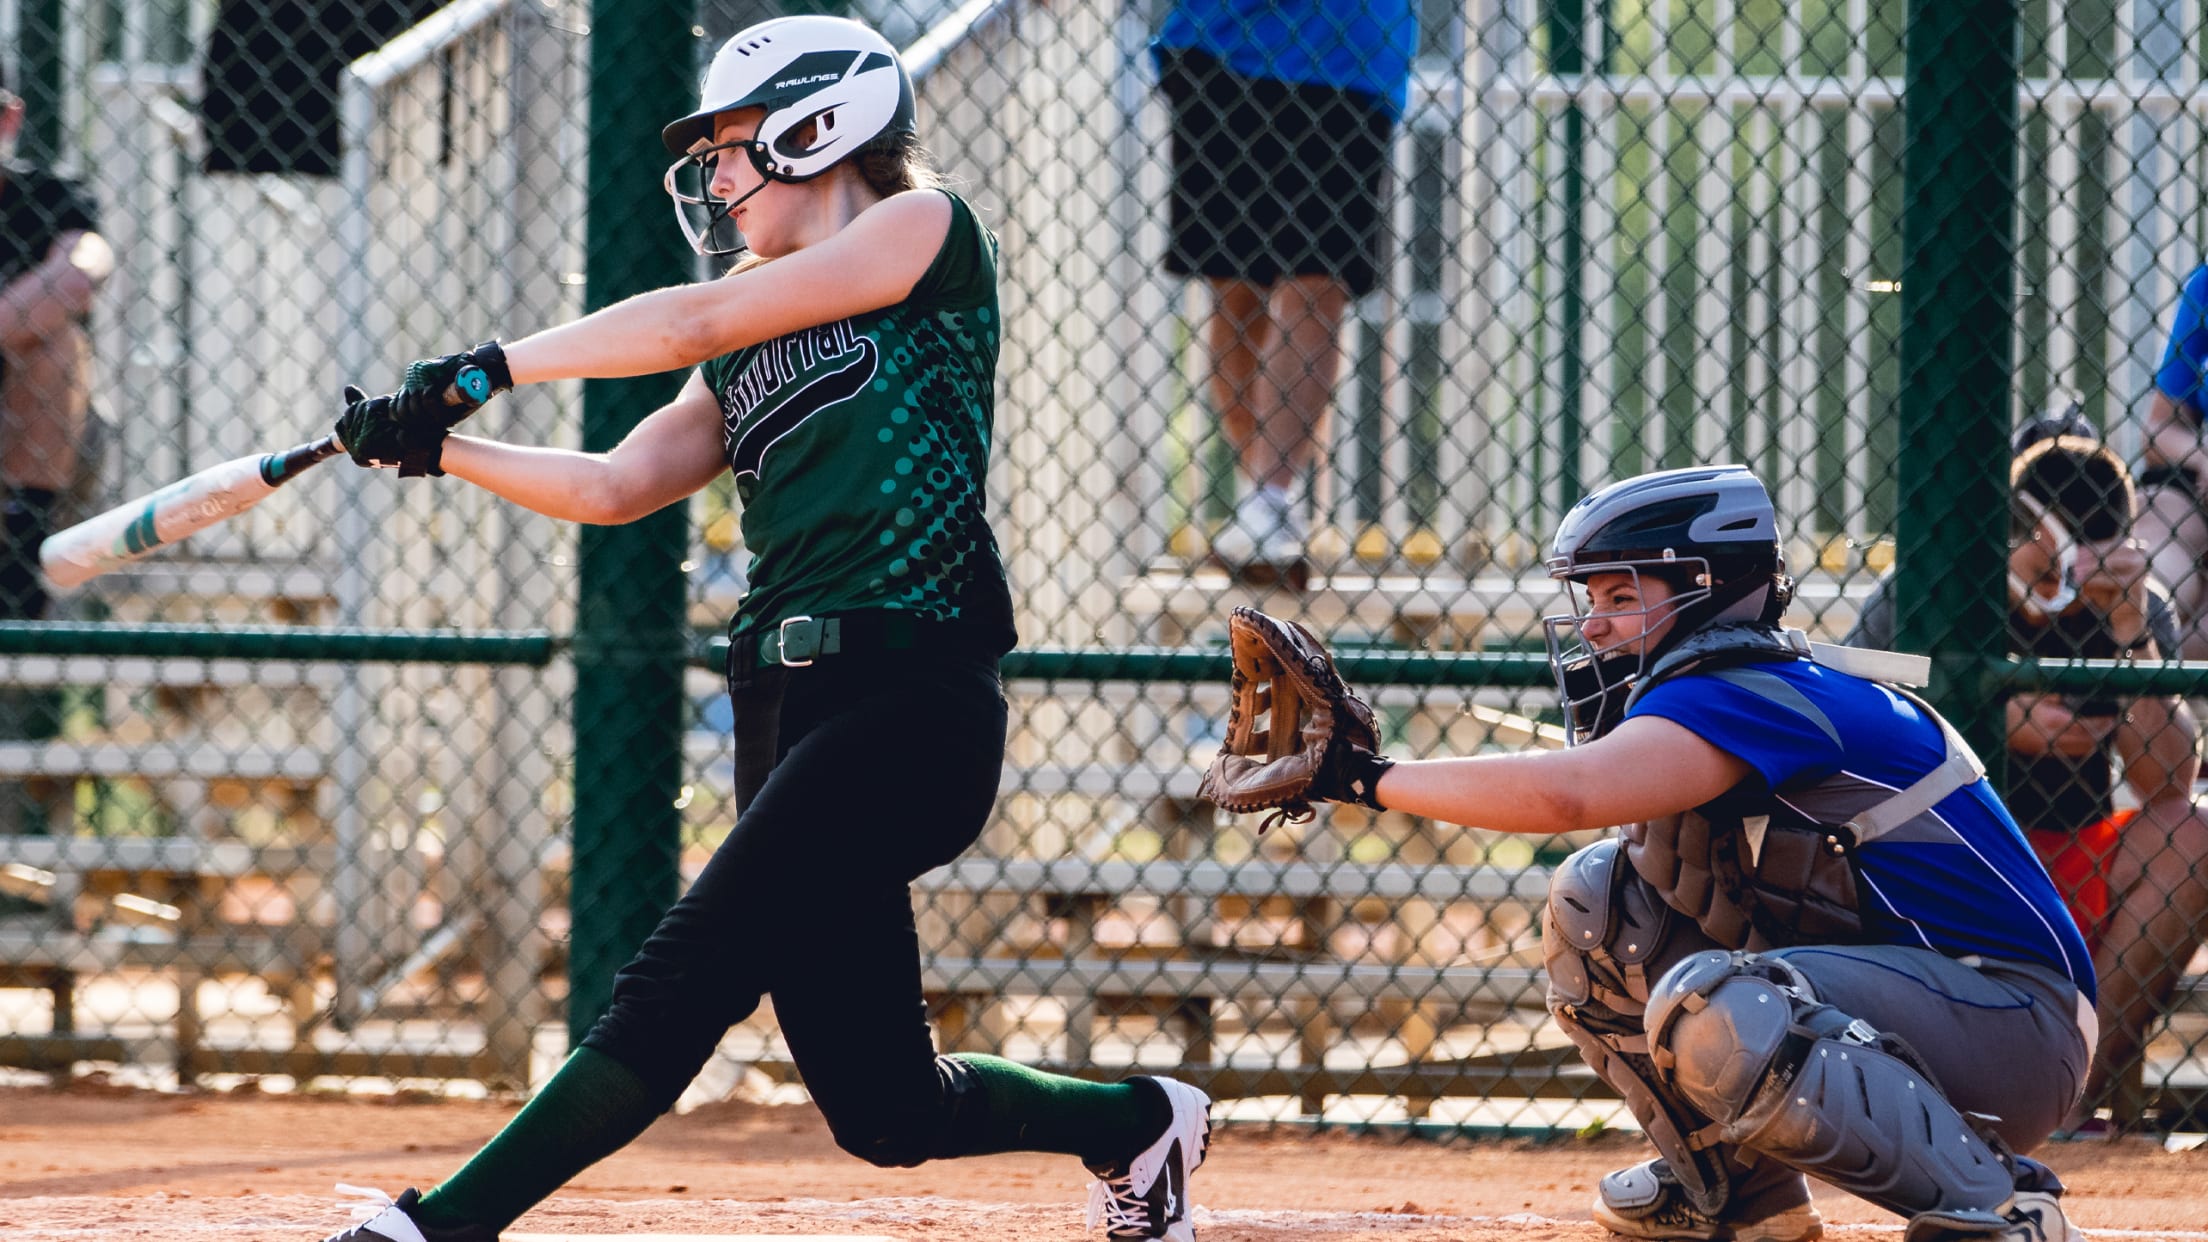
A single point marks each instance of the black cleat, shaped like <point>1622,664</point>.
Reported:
<point>1647,1201</point>
<point>2030,1216</point>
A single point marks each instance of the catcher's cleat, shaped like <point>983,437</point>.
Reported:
<point>2031,1216</point>
<point>380,1218</point>
<point>1647,1201</point>
<point>1147,1196</point>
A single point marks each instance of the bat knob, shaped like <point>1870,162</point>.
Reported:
<point>472,384</point>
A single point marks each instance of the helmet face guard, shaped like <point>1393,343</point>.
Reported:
<point>707,219</point>
<point>1593,679</point>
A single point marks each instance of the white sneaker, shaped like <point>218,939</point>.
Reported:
<point>1147,1197</point>
<point>1264,530</point>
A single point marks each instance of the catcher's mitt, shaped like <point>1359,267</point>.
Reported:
<point>1318,742</point>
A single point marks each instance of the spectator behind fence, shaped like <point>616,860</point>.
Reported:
<point>52,263</point>
<point>1282,118</point>
<point>2173,472</point>
<point>2079,589</point>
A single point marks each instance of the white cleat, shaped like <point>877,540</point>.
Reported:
<point>380,1218</point>
<point>1147,1197</point>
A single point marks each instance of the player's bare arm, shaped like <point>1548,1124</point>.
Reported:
<point>2156,740</point>
<point>2173,436</point>
<point>56,293</point>
<point>674,452</point>
<point>1547,792</point>
<point>871,263</point>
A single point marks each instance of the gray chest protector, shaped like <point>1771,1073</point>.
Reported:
<point>1766,873</point>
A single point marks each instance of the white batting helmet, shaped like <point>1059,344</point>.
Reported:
<point>837,74</point>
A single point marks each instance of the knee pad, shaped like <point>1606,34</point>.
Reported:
<point>1601,928</point>
<point>1744,1040</point>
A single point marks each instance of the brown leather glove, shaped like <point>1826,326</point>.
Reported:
<point>1319,742</point>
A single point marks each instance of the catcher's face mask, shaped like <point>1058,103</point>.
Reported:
<point>1598,650</point>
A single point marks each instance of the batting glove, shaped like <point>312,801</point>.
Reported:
<point>373,435</point>
<point>441,392</point>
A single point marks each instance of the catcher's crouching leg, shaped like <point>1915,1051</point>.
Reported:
<point>1606,935</point>
<point>1744,1040</point>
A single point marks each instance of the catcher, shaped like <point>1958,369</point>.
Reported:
<point>1820,945</point>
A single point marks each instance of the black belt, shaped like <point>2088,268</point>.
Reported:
<point>795,642</point>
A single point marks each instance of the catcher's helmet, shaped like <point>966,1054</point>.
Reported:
<point>2066,419</point>
<point>829,86</point>
<point>1709,532</point>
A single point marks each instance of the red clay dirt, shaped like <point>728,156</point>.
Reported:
<point>82,1163</point>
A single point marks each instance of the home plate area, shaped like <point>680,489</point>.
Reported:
<point>86,1165</point>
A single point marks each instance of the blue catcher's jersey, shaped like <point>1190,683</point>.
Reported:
<point>2184,368</point>
<point>1968,886</point>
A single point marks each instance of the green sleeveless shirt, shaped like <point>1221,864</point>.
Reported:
<point>860,450</point>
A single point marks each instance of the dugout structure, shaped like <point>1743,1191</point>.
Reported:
<point>343,790</point>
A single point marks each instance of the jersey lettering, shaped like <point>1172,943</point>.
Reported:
<point>777,364</point>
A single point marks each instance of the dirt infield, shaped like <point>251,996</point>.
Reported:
<point>89,1164</point>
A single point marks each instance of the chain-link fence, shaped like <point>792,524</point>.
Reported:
<point>1519,248</point>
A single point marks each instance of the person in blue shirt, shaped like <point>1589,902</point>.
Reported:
<point>1282,117</point>
<point>2173,466</point>
<point>1819,946</point>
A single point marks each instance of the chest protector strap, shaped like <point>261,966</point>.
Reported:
<point>1771,880</point>
<point>1959,770</point>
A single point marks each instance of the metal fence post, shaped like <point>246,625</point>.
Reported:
<point>39,73</point>
<point>1567,22</point>
<point>1958,275</point>
<point>629,633</point>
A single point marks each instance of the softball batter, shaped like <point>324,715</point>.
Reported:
<point>845,373</point>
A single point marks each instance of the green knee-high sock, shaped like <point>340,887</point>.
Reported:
<point>592,1108</point>
<point>1030,1110</point>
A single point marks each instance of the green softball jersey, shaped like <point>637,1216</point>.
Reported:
<point>860,450</point>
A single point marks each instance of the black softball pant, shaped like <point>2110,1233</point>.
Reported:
<point>853,777</point>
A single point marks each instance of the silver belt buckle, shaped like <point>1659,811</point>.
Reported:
<point>782,643</point>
